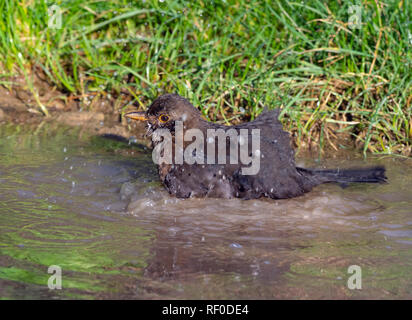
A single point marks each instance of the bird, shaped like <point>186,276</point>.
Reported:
<point>277,176</point>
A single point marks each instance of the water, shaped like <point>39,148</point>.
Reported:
<point>95,208</point>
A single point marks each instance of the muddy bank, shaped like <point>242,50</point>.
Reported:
<point>102,117</point>
<point>102,113</point>
<point>94,112</point>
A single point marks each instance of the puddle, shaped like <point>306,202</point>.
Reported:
<point>95,208</point>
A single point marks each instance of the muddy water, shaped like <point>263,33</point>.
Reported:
<point>94,207</point>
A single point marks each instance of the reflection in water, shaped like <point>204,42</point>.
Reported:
<point>95,208</point>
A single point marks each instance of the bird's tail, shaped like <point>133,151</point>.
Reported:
<point>344,176</point>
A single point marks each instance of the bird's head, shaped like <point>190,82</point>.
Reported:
<point>165,111</point>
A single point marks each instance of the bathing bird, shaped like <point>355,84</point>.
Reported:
<point>251,160</point>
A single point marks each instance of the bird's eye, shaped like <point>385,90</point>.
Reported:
<point>163,118</point>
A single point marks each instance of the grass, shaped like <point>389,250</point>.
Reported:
<point>230,58</point>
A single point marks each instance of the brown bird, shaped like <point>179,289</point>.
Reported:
<point>276,176</point>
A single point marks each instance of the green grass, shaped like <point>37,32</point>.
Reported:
<point>230,58</point>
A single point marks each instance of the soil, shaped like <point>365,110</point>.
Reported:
<point>18,106</point>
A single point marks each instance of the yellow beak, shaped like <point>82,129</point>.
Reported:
<point>140,116</point>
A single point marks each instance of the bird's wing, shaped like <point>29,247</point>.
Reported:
<point>277,176</point>
<point>273,139</point>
